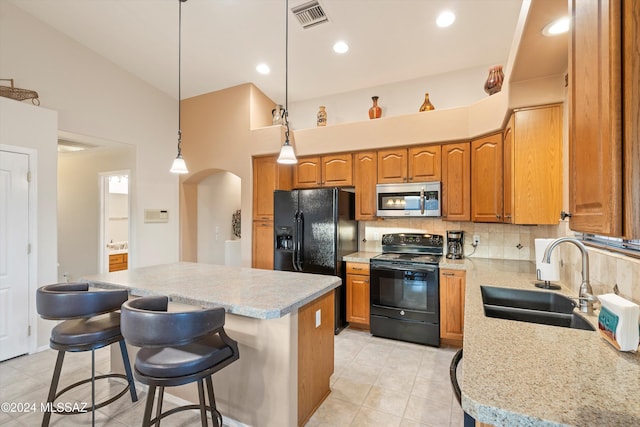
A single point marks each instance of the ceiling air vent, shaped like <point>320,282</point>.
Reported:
<point>310,14</point>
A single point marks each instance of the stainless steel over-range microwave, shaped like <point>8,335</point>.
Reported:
<point>410,199</point>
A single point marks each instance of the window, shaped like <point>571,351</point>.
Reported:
<point>616,244</point>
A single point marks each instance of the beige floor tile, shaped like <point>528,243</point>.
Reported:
<point>350,391</point>
<point>385,400</point>
<point>334,413</point>
<point>362,373</point>
<point>392,379</point>
<point>411,423</point>
<point>427,411</point>
<point>367,417</point>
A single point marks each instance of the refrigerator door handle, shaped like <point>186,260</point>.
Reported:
<point>300,240</point>
<point>295,241</point>
<point>422,201</point>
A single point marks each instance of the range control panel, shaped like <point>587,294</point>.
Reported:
<point>413,240</point>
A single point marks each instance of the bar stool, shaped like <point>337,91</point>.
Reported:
<point>177,347</point>
<point>89,321</point>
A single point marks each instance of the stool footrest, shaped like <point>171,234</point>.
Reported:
<point>188,408</point>
<point>97,405</point>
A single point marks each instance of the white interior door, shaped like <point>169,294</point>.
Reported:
<point>14,254</point>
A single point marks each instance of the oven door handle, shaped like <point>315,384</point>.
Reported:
<point>404,267</point>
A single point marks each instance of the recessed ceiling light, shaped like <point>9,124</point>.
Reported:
<point>263,69</point>
<point>340,47</point>
<point>559,26</point>
<point>445,19</point>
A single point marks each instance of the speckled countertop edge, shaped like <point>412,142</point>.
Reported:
<point>262,294</point>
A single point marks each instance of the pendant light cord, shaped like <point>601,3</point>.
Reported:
<point>180,76</point>
<point>286,72</point>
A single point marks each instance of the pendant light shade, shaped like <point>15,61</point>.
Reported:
<point>287,154</point>
<point>179,166</point>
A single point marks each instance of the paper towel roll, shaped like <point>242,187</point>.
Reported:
<point>548,272</point>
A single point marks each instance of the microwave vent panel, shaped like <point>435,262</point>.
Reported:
<point>310,14</point>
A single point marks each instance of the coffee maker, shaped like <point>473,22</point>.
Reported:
<point>455,244</point>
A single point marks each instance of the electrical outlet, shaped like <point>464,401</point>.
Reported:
<point>476,239</point>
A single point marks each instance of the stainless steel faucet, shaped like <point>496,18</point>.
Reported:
<point>585,295</point>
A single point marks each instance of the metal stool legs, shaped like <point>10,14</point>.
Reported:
<point>55,380</point>
<point>216,417</point>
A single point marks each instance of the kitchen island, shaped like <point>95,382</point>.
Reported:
<point>283,323</point>
<point>526,374</point>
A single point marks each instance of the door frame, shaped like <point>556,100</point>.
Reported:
<point>33,239</point>
<point>103,254</point>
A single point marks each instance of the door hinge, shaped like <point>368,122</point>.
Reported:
<point>29,331</point>
<point>29,249</point>
<point>29,176</point>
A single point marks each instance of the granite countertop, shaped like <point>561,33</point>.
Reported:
<point>360,256</point>
<point>525,374</point>
<point>262,294</point>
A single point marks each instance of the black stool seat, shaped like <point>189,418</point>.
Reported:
<point>104,328</point>
<point>177,348</point>
<point>90,320</point>
<point>184,360</point>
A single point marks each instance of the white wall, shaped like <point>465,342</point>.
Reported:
<point>31,127</point>
<point>218,198</point>
<point>79,206</point>
<point>96,99</point>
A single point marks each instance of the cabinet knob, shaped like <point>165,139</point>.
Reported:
<point>498,216</point>
<point>366,281</point>
<point>507,216</point>
<point>564,215</point>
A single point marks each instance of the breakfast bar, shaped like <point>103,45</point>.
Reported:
<point>283,323</point>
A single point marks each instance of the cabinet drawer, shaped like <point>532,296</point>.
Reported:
<point>117,259</point>
<point>358,268</point>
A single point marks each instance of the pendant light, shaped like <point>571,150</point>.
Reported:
<point>287,155</point>
<point>179,166</point>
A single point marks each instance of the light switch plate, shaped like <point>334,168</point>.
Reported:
<point>318,320</point>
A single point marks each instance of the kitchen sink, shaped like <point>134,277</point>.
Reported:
<point>547,308</point>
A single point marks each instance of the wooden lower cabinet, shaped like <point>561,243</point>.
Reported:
<point>358,303</point>
<point>118,262</point>
<point>263,243</point>
<point>315,355</point>
<point>452,293</point>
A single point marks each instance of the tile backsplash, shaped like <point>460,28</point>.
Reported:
<point>516,242</point>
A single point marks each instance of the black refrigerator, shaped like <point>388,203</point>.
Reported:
<point>313,230</point>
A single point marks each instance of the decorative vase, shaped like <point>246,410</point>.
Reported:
<point>494,80</point>
<point>375,112</point>
<point>427,105</point>
<point>322,116</point>
<point>277,114</point>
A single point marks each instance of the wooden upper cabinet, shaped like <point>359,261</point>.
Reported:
<point>413,164</point>
<point>604,118</point>
<point>334,170</point>
<point>365,167</point>
<point>337,170</point>
<point>424,163</point>
<point>595,115</point>
<point>392,165</point>
<point>456,182</point>
<point>268,175</point>
<point>486,178</point>
<point>533,166</point>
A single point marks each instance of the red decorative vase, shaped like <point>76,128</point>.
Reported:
<point>494,80</point>
<point>375,112</point>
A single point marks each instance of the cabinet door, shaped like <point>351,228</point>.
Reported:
<point>537,166</point>
<point>508,158</point>
<point>456,182</point>
<point>307,173</point>
<point>365,183</point>
<point>392,165</point>
<point>486,179</point>
<point>595,109</point>
<point>358,299</point>
<point>452,294</point>
<point>337,170</point>
<point>424,163</point>
<point>263,245</point>
<point>268,175</point>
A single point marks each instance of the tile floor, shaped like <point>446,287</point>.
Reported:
<point>377,382</point>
